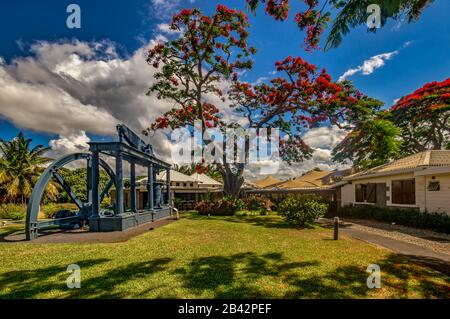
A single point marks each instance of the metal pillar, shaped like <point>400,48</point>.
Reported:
<point>89,180</point>
<point>150,199</point>
<point>168,194</point>
<point>133,187</point>
<point>119,184</point>
<point>95,181</point>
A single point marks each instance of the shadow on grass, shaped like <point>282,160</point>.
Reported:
<point>30,283</point>
<point>241,275</point>
<point>351,282</point>
<point>235,276</point>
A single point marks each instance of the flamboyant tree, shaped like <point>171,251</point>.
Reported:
<point>417,122</point>
<point>213,49</point>
<point>193,68</point>
<point>424,117</point>
<point>302,97</point>
<point>348,14</point>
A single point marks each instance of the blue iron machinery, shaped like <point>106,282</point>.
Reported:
<point>129,148</point>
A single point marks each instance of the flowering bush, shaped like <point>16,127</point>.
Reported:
<point>300,210</point>
<point>226,206</point>
<point>258,203</point>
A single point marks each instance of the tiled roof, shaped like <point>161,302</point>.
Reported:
<point>174,177</point>
<point>205,179</point>
<point>423,159</point>
<point>311,179</point>
<point>266,182</point>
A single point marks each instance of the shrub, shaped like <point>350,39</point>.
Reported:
<point>225,206</point>
<point>258,203</point>
<point>49,210</point>
<point>302,209</point>
<point>405,216</point>
<point>13,211</point>
<point>204,207</point>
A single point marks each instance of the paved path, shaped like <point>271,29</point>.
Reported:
<point>438,259</point>
<point>84,236</point>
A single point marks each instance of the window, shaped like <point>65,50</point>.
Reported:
<point>404,192</point>
<point>434,186</point>
<point>366,193</point>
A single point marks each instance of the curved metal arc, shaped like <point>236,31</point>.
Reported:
<point>39,189</point>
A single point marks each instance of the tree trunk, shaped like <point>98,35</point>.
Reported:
<point>232,180</point>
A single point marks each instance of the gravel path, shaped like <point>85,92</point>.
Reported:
<point>437,242</point>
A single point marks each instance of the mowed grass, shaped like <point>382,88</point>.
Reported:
<point>217,257</point>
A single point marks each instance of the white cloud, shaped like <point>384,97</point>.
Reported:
<point>165,28</point>
<point>260,80</point>
<point>73,143</point>
<point>74,88</point>
<point>77,88</point>
<point>322,140</point>
<point>370,65</point>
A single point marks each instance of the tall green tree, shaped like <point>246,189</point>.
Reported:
<point>417,122</point>
<point>373,142</point>
<point>20,167</point>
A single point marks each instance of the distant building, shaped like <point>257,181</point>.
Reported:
<point>322,183</point>
<point>184,188</point>
<point>267,182</point>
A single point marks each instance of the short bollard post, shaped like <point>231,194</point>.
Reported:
<point>336,228</point>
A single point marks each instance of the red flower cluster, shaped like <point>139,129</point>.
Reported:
<point>433,96</point>
<point>279,9</point>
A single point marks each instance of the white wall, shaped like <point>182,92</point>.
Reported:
<point>437,201</point>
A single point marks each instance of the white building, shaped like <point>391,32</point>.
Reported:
<point>419,181</point>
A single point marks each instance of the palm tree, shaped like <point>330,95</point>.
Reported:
<point>20,168</point>
<point>353,13</point>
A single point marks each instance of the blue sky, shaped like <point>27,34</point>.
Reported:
<point>418,52</point>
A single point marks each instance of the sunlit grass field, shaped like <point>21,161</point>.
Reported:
<point>216,257</point>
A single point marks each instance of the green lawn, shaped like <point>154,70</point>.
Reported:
<point>200,257</point>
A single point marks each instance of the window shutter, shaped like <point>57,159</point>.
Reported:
<point>409,192</point>
<point>359,193</point>
<point>397,197</point>
<point>371,193</point>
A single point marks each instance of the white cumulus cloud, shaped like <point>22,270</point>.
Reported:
<point>370,65</point>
